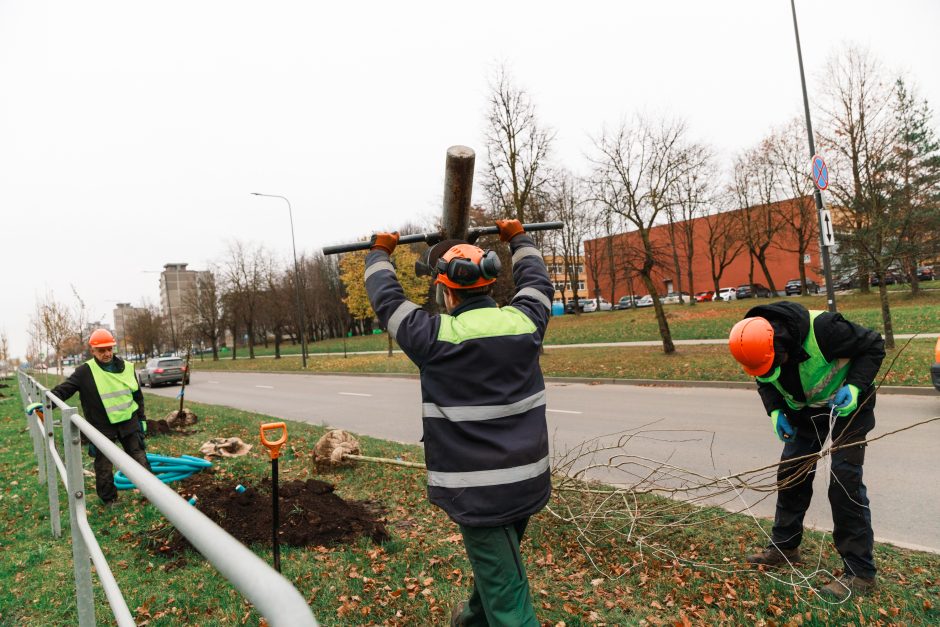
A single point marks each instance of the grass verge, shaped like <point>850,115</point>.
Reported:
<point>689,573</point>
<point>705,362</point>
<point>703,321</point>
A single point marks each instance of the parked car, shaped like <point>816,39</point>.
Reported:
<point>626,302</point>
<point>845,282</point>
<point>759,291</point>
<point>160,370</point>
<point>603,304</point>
<point>587,305</point>
<point>726,294</point>
<point>645,301</point>
<point>705,297</point>
<point>794,286</point>
<point>925,273</point>
<point>672,298</point>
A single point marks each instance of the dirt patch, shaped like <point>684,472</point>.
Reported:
<point>174,423</point>
<point>311,514</point>
<point>157,427</point>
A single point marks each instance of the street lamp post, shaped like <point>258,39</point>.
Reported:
<point>824,249</point>
<point>300,301</point>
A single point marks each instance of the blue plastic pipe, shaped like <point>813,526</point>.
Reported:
<point>166,469</point>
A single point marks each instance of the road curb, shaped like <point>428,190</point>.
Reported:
<point>666,383</point>
<point>737,385</point>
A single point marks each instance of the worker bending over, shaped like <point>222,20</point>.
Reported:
<point>808,364</point>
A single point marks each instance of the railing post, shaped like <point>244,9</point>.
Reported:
<point>51,481</point>
<point>34,394</point>
<point>81,558</point>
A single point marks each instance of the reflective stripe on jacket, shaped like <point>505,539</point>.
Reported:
<point>116,390</point>
<point>819,377</point>
<point>483,395</point>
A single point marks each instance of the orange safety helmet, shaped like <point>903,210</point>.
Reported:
<point>465,266</point>
<point>101,338</point>
<point>752,344</point>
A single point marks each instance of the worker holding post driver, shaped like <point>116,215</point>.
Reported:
<point>113,403</point>
<point>815,369</point>
<point>485,435</point>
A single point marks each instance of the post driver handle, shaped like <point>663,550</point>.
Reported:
<point>273,446</point>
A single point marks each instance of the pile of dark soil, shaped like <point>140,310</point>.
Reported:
<point>311,513</point>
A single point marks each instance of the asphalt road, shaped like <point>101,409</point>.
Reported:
<point>715,432</point>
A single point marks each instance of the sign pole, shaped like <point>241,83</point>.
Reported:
<point>817,195</point>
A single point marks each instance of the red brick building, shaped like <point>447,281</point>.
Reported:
<point>611,263</point>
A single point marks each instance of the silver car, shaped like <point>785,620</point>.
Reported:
<point>160,370</point>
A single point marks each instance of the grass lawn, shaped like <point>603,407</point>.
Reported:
<point>714,320</point>
<point>702,321</point>
<point>706,362</point>
<point>689,572</point>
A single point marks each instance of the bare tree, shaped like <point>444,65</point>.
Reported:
<point>275,312</point>
<point>517,148</point>
<point>144,330</point>
<point>724,243</point>
<point>56,324</point>
<point>204,302</point>
<point>788,156</point>
<point>694,190</point>
<point>324,291</point>
<point>244,271</point>
<point>635,171</point>
<point>753,187</point>
<point>861,133</point>
<point>568,205</point>
<point>4,348</point>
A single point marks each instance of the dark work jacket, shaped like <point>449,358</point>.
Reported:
<point>836,338</point>
<point>83,382</point>
<point>482,391</point>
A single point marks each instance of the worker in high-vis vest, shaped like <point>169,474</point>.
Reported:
<point>113,403</point>
<point>483,404</point>
<point>813,367</point>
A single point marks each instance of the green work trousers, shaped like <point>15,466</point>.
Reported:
<point>500,586</point>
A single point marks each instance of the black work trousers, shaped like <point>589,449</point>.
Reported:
<point>851,516</point>
<point>134,446</point>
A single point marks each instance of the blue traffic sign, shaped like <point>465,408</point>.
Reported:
<point>820,173</point>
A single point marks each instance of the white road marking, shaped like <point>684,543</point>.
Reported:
<point>563,411</point>
<point>212,381</point>
<point>266,387</point>
<point>353,394</point>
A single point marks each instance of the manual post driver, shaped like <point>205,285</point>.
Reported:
<point>274,450</point>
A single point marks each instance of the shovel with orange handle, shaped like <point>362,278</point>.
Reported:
<point>274,450</point>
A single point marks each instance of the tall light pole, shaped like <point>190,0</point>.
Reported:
<point>300,301</point>
<point>824,250</point>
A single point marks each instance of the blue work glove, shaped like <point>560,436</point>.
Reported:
<point>845,400</point>
<point>782,426</point>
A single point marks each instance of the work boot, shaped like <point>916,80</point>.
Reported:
<point>772,556</point>
<point>847,586</point>
<point>456,619</point>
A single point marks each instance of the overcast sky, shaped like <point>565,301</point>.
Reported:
<point>131,133</point>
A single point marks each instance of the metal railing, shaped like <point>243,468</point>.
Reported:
<point>273,595</point>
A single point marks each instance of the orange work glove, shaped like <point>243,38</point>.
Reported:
<point>385,241</point>
<point>508,229</point>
